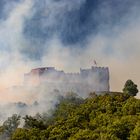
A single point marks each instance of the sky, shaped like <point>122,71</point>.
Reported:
<point>69,35</point>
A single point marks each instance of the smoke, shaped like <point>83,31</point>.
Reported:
<point>11,40</point>
<point>67,35</point>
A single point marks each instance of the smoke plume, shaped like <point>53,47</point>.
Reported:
<point>67,35</point>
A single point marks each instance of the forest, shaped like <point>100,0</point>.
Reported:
<point>108,116</point>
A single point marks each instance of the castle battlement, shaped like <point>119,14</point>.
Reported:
<point>92,79</point>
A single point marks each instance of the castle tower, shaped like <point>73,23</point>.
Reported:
<point>94,79</point>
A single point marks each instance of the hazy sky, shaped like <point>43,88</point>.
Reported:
<point>70,34</point>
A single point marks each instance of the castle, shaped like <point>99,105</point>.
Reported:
<point>95,79</point>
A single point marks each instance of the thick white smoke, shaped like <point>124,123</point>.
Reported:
<point>115,46</point>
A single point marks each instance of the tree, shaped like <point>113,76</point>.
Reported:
<point>105,117</point>
<point>10,125</point>
<point>20,134</point>
<point>130,88</point>
<point>32,122</point>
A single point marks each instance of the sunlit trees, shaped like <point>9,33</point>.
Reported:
<point>113,116</point>
<point>20,134</point>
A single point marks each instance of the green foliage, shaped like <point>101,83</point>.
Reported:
<point>20,134</point>
<point>122,127</point>
<point>10,125</point>
<point>84,135</point>
<point>114,116</point>
<point>130,88</point>
<point>135,135</point>
<point>67,106</point>
<point>32,122</point>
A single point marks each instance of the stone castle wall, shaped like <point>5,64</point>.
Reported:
<point>87,80</point>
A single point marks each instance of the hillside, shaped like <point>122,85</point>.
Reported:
<point>113,116</point>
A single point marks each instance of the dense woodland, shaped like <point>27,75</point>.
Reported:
<point>110,116</point>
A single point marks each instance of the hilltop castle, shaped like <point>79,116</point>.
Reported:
<point>87,80</point>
